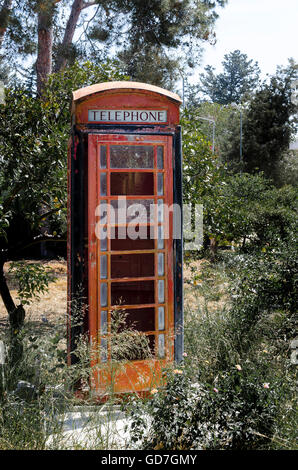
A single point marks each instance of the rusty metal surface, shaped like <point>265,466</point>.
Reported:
<point>84,196</point>
<point>94,198</point>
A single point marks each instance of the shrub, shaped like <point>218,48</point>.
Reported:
<point>237,413</point>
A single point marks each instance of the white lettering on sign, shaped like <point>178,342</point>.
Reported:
<point>127,115</point>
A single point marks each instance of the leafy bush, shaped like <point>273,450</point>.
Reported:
<point>265,284</point>
<point>237,413</point>
<point>202,170</point>
<point>32,278</point>
<point>235,389</point>
<point>248,211</point>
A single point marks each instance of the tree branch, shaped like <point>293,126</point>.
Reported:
<point>89,4</point>
<point>4,291</point>
<point>40,239</point>
<point>76,8</point>
<point>70,28</point>
<point>50,212</point>
<point>45,47</point>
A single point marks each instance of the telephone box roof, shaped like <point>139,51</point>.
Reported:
<point>124,85</point>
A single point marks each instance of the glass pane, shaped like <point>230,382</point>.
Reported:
<point>132,293</point>
<point>132,184</point>
<point>161,345</point>
<point>159,184</point>
<point>160,240</point>
<point>142,242</point>
<point>161,291</point>
<point>135,265</point>
<point>104,244</point>
<point>103,350</point>
<point>131,156</point>
<point>104,322</point>
<point>137,211</point>
<point>144,350</point>
<point>161,264</point>
<point>103,294</point>
<point>103,266</point>
<point>103,184</point>
<point>161,318</point>
<point>103,212</point>
<point>103,156</point>
<point>160,158</point>
<point>103,238</point>
<point>160,210</point>
<point>140,319</point>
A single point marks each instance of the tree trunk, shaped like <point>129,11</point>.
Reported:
<point>45,48</point>
<point>4,291</point>
<point>4,15</point>
<point>16,316</point>
<point>76,9</point>
<point>213,248</point>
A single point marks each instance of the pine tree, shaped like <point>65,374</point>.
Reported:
<point>239,77</point>
<point>46,29</point>
<point>268,125</point>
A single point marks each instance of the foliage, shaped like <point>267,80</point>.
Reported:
<point>265,284</point>
<point>38,391</point>
<point>227,125</point>
<point>247,209</point>
<point>32,278</point>
<point>239,208</point>
<point>33,168</point>
<point>240,76</point>
<point>33,148</point>
<point>187,414</point>
<point>150,65</point>
<point>236,386</point>
<point>125,341</point>
<point>132,28</point>
<point>287,172</point>
<point>58,93</point>
<point>201,168</point>
<point>268,125</point>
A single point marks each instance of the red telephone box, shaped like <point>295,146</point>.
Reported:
<point>124,177</point>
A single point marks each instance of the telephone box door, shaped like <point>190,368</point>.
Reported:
<point>130,253</point>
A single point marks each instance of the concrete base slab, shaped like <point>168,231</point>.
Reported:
<point>85,428</point>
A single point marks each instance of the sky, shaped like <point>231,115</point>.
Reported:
<point>265,30</point>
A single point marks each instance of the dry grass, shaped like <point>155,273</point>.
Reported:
<point>204,287</point>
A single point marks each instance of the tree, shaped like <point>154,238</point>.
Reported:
<point>46,29</point>
<point>268,124</point>
<point>226,125</point>
<point>202,170</point>
<point>33,148</point>
<point>240,76</point>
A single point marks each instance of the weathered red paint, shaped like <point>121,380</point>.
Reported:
<point>135,96</point>
<point>140,375</point>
